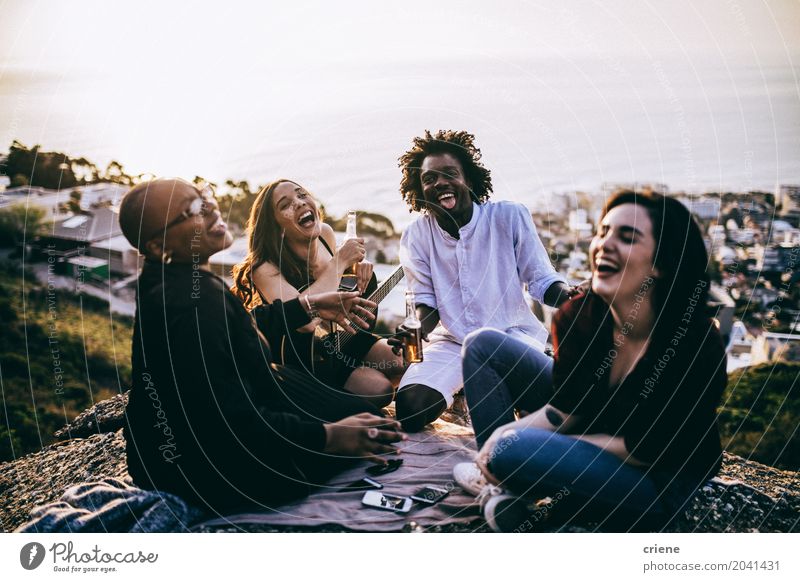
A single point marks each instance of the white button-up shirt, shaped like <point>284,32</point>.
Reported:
<point>477,280</point>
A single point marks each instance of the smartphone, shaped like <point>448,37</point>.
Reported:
<point>392,465</point>
<point>348,283</point>
<point>387,501</point>
<point>362,485</point>
<point>430,494</point>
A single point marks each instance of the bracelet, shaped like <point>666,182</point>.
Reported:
<point>312,313</point>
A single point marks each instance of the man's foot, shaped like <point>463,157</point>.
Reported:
<point>469,477</point>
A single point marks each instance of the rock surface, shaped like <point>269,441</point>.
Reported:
<point>105,416</point>
<point>748,496</point>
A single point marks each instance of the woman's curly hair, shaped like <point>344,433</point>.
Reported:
<point>459,144</point>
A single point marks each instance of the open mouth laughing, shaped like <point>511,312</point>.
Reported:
<point>218,228</point>
<point>306,219</point>
<point>447,200</point>
<point>606,267</point>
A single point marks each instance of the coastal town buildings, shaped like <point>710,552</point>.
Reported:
<point>753,241</point>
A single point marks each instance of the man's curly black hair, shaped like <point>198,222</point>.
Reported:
<point>459,144</point>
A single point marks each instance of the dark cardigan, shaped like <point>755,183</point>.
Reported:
<point>208,418</point>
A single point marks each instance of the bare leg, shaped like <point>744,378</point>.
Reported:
<point>380,357</point>
<point>371,385</point>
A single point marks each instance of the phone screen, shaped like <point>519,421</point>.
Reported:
<point>386,501</point>
<point>391,465</point>
<point>348,283</point>
<point>392,502</point>
<point>430,495</point>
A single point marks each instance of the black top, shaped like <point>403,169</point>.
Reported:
<point>207,418</point>
<point>665,409</point>
<point>302,350</point>
<point>291,347</point>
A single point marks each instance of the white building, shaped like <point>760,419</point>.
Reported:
<point>703,208</point>
<point>788,197</point>
<point>579,224</point>
<point>122,258</point>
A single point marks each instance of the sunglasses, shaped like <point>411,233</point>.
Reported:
<point>200,206</point>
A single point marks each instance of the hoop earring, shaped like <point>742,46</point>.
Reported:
<point>166,257</point>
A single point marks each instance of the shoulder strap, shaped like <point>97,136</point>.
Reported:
<point>254,286</point>
<point>325,244</point>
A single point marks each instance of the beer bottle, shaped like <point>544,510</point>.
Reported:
<point>412,344</point>
<point>351,233</point>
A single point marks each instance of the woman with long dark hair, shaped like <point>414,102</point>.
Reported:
<point>623,429</point>
<point>210,417</point>
<point>292,251</point>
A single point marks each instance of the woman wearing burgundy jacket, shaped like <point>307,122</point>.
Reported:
<point>622,429</point>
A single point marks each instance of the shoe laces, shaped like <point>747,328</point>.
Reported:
<point>487,493</point>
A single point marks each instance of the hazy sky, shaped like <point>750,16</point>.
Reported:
<point>236,37</point>
<point>562,94</point>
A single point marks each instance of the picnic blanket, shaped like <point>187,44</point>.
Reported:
<point>428,459</point>
<point>112,505</point>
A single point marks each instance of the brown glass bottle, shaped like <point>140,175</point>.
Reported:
<point>412,344</point>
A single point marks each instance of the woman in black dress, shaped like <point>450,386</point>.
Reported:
<point>291,251</point>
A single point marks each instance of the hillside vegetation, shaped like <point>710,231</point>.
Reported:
<point>59,353</point>
<point>760,414</point>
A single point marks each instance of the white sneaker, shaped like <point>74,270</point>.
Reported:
<point>469,478</point>
<point>507,513</point>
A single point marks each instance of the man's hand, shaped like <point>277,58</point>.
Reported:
<point>559,293</point>
<point>343,308</point>
<point>363,435</point>
<point>396,341</point>
<point>582,287</point>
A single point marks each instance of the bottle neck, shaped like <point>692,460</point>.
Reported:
<point>350,231</point>
<point>411,310</point>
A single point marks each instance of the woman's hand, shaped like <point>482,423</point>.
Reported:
<point>352,251</point>
<point>486,454</point>
<point>364,272</point>
<point>343,307</point>
<point>363,435</point>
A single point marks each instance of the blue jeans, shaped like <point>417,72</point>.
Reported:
<point>584,482</point>
<point>502,374</point>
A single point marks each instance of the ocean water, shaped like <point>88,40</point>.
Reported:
<point>543,126</point>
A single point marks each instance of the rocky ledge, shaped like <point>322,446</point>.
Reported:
<point>747,497</point>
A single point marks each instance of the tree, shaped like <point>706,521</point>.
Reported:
<point>18,223</point>
<point>116,173</point>
<point>236,201</point>
<point>18,180</point>
<point>367,223</point>
<point>86,172</point>
<point>46,169</point>
<point>74,203</point>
